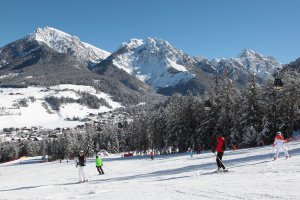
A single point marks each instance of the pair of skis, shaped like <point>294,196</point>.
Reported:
<point>221,170</point>
<point>83,181</point>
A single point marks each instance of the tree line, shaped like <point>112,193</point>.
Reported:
<point>247,117</point>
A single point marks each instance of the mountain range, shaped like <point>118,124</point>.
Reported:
<point>137,70</point>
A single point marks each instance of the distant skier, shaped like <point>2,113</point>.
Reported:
<point>152,155</point>
<point>190,152</point>
<point>220,148</point>
<point>81,161</point>
<point>99,164</point>
<point>279,144</point>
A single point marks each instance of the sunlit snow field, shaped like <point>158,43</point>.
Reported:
<point>36,115</point>
<point>252,176</point>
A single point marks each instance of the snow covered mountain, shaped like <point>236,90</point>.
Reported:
<point>168,69</point>
<point>50,57</point>
<point>247,63</point>
<point>50,39</point>
<point>65,43</point>
<point>292,66</point>
<point>153,61</point>
<point>138,65</point>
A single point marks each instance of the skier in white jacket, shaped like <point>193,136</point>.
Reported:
<point>279,143</point>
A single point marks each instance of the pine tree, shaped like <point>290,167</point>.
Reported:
<point>251,121</point>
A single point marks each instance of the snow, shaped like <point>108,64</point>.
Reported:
<point>260,65</point>
<point>176,66</point>
<point>153,61</point>
<point>178,177</point>
<point>10,75</point>
<point>2,62</point>
<point>36,114</point>
<point>65,43</point>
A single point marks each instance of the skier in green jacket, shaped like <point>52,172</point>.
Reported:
<point>99,164</point>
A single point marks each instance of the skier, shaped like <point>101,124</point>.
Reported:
<point>279,143</point>
<point>190,152</point>
<point>152,155</point>
<point>220,148</point>
<point>81,163</point>
<point>99,164</point>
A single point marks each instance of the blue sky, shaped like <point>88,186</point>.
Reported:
<point>211,28</point>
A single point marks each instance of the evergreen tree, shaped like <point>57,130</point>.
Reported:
<point>251,120</point>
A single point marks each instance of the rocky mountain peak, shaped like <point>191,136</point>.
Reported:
<point>65,43</point>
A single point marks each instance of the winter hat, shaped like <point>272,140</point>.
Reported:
<point>279,133</point>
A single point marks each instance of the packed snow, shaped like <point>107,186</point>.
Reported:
<point>38,113</point>
<point>252,175</point>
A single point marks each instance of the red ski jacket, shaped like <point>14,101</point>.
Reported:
<point>279,137</point>
<point>220,144</point>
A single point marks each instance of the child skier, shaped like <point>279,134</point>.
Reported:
<point>81,163</point>
<point>279,144</point>
<point>220,148</point>
<point>99,164</point>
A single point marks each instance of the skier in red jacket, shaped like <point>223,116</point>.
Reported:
<point>220,148</point>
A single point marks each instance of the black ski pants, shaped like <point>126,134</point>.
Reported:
<point>100,170</point>
<point>219,160</point>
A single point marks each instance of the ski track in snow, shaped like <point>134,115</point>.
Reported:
<point>252,175</point>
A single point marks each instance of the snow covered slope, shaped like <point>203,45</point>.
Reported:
<point>174,177</point>
<point>153,61</point>
<point>37,112</point>
<point>65,43</point>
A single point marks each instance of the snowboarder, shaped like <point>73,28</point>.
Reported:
<point>152,155</point>
<point>220,148</point>
<point>99,164</point>
<point>279,144</point>
<point>81,163</point>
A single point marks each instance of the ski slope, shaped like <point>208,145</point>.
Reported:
<point>252,176</point>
